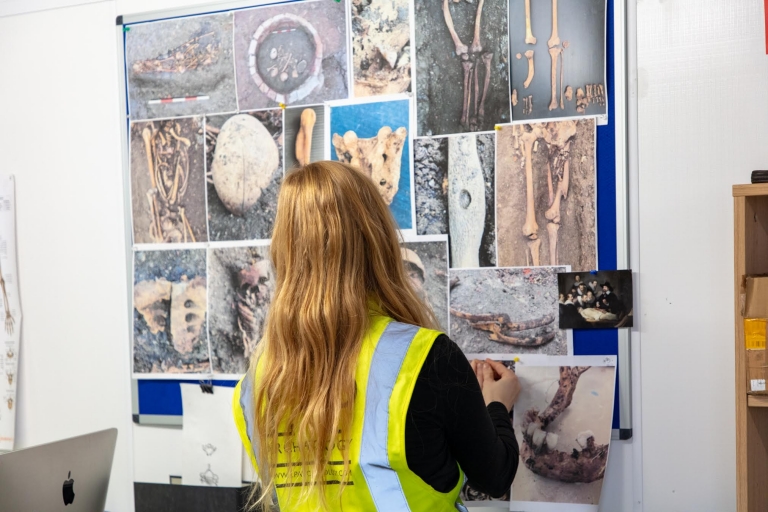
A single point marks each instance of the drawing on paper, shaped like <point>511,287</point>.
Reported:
<point>294,54</point>
<point>208,477</point>
<point>454,186</point>
<point>506,310</point>
<point>426,266</point>
<point>599,300</point>
<point>241,286</point>
<point>546,178</point>
<point>169,312</point>
<point>244,156</point>
<point>209,449</point>
<point>9,320</point>
<point>180,67</point>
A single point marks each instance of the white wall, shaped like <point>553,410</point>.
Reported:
<point>703,102</point>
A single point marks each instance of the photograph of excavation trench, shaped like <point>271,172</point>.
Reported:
<point>506,311</point>
<point>562,422</point>
<point>426,266</point>
<point>557,51</point>
<point>546,194</point>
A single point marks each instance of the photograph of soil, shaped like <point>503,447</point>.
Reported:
<point>562,422</point>
<point>562,61</point>
<point>168,181</point>
<point>381,47</point>
<point>600,300</point>
<point>462,78</point>
<point>426,265</point>
<point>375,137</point>
<point>293,53</point>
<point>244,175</point>
<point>241,284</point>
<point>169,312</point>
<point>439,178</point>
<point>188,58</point>
<point>304,136</point>
<point>506,311</point>
<point>546,194</point>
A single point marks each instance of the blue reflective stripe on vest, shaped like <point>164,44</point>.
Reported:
<point>383,482</point>
<point>246,402</point>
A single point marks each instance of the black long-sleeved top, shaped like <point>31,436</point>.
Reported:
<point>448,423</point>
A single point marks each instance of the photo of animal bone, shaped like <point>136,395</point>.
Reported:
<point>454,179</point>
<point>187,59</point>
<point>599,300</point>
<point>244,155</point>
<point>562,421</point>
<point>241,285</point>
<point>546,194</point>
<point>170,304</point>
<point>293,53</point>
<point>426,265</point>
<point>168,181</point>
<point>506,311</point>
<point>381,47</point>
<point>569,49</point>
<point>462,66</point>
<point>375,137</point>
<point>304,135</point>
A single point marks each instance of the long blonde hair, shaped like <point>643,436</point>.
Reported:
<point>334,248</point>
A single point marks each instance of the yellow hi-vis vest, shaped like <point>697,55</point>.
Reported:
<point>390,360</point>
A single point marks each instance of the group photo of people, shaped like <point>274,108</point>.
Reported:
<point>595,300</point>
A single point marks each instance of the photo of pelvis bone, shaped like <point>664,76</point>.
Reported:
<point>241,285</point>
<point>546,194</point>
<point>374,137</point>
<point>506,311</point>
<point>245,170</point>
<point>170,307</point>
<point>168,181</point>
<point>454,179</point>
<point>426,265</point>
<point>562,422</point>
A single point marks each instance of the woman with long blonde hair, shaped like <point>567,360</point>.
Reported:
<point>353,399</point>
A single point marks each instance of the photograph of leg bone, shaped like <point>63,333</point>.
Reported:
<point>554,186</point>
<point>529,39</point>
<point>503,310</point>
<point>554,54</point>
<point>563,456</point>
<point>554,39</point>
<point>304,137</point>
<point>529,56</point>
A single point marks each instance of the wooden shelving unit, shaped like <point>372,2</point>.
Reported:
<point>750,257</point>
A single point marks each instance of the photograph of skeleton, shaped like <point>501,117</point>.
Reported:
<point>381,47</point>
<point>169,312</point>
<point>241,284</point>
<point>506,310</point>
<point>600,300</point>
<point>545,176</point>
<point>180,67</point>
<point>562,421</point>
<point>462,66</point>
<point>455,195</point>
<point>304,135</point>
<point>426,265</point>
<point>293,53</point>
<point>168,181</point>
<point>375,137</point>
<point>244,155</point>
<point>542,36</point>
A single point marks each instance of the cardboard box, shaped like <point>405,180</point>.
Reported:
<point>756,372</point>
<point>755,297</point>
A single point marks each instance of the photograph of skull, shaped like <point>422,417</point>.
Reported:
<point>304,136</point>
<point>542,36</point>
<point>241,284</point>
<point>562,421</point>
<point>455,195</point>
<point>293,53</point>
<point>168,181</point>
<point>375,137</point>
<point>381,47</point>
<point>462,66</point>
<point>599,300</point>
<point>545,176</point>
<point>244,155</point>
<point>426,266</point>
<point>180,67</point>
<point>169,312</point>
<point>506,310</point>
